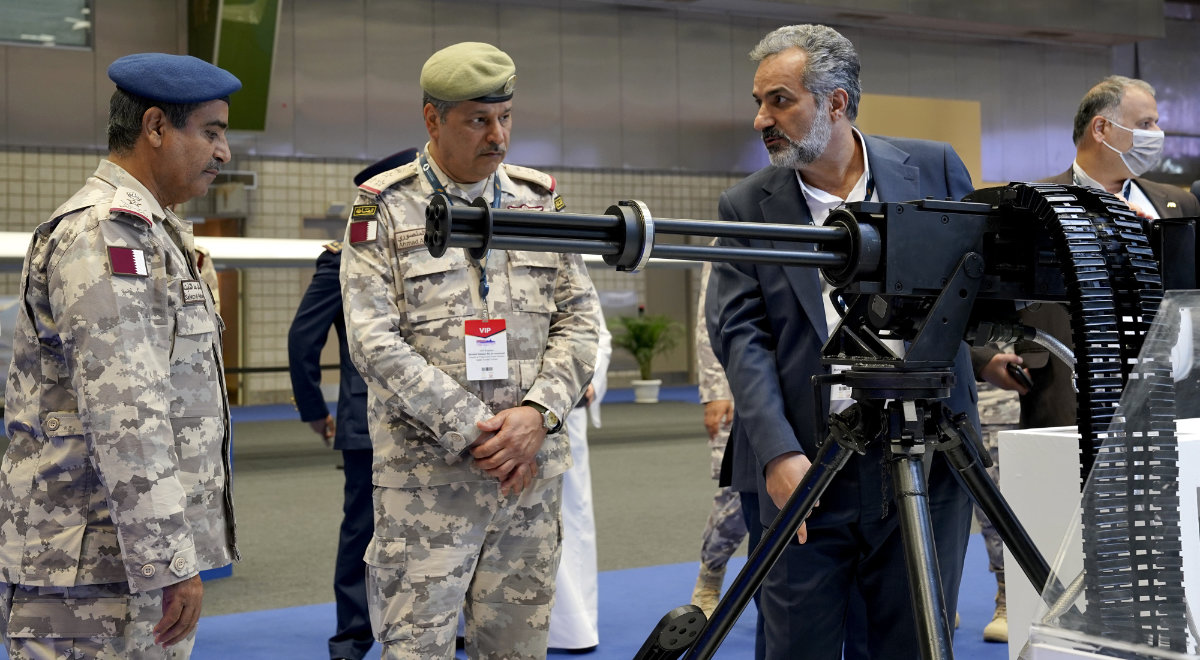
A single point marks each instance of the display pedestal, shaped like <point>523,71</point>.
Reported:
<point>1039,477</point>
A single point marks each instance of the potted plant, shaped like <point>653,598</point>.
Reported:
<point>645,336</point>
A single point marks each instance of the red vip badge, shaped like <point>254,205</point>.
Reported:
<point>486,350</point>
<point>363,231</point>
<point>128,261</point>
<point>485,329</point>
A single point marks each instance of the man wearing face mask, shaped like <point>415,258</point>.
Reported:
<point>1117,140</point>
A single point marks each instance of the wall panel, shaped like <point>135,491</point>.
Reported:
<point>706,126</point>
<point>4,133</point>
<point>591,87</point>
<point>531,36</point>
<point>399,38</point>
<point>330,90</point>
<point>278,137</point>
<point>748,153</point>
<point>38,107</point>
<point>649,89</point>
<point>455,21</point>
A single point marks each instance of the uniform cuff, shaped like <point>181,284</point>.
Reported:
<point>456,445</point>
<point>146,575</point>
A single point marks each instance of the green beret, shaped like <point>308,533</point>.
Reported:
<point>469,71</point>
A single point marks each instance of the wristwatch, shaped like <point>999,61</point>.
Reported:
<point>550,419</point>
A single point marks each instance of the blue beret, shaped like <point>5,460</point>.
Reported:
<point>172,78</point>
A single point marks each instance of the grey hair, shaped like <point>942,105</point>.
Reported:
<point>832,61</point>
<point>442,107</point>
<point>1103,100</point>
<point>125,112</point>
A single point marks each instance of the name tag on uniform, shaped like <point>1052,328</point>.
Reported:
<point>412,238</point>
<point>193,292</point>
<point>487,350</point>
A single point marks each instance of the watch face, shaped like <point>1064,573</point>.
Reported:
<point>550,420</point>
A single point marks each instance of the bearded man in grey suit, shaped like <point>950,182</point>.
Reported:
<point>770,323</point>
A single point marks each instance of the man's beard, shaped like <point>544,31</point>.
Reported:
<point>805,151</point>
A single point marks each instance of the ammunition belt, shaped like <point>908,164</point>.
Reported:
<point>1131,533</point>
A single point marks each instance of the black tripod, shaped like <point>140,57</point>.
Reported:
<point>913,423</point>
<point>898,401</point>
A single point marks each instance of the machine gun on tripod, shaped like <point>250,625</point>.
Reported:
<point>932,273</point>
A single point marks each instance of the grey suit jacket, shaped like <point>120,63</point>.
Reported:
<point>769,323</point>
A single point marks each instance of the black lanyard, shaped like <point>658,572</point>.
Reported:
<point>441,190</point>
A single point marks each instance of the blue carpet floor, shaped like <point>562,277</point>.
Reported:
<point>631,602</point>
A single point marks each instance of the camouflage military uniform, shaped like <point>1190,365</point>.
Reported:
<point>116,478</point>
<point>726,527</point>
<point>442,530</point>
<point>999,410</point>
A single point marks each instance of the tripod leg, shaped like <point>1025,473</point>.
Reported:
<point>830,459</point>
<point>987,495</point>
<point>924,580</point>
<point>968,465</point>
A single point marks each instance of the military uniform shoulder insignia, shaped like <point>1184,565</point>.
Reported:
<point>530,175</point>
<point>128,261</point>
<point>363,231</point>
<point>364,212</point>
<point>130,202</point>
<point>82,200</point>
<point>384,180</point>
<point>334,247</point>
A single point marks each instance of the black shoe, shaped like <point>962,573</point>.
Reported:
<point>555,650</point>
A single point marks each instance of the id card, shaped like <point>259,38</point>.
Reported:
<point>487,350</point>
<point>839,393</point>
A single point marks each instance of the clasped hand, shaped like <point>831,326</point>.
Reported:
<point>507,449</point>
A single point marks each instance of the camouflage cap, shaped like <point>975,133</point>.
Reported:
<point>469,71</point>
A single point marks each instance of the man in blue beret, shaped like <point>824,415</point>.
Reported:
<point>114,491</point>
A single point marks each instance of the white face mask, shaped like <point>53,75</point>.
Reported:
<point>1145,152</point>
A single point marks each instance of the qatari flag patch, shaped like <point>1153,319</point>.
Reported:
<point>363,231</point>
<point>128,261</point>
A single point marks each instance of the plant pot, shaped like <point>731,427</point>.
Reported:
<point>646,391</point>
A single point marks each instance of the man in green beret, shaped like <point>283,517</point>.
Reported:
<point>471,366</point>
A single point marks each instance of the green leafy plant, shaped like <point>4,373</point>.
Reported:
<point>645,337</point>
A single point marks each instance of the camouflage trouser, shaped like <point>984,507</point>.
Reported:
<point>724,531</point>
<point>725,528</point>
<point>991,539</point>
<point>89,621</point>
<point>716,451</point>
<point>999,410</point>
<point>439,546</point>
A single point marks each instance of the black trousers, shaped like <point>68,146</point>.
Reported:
<point>846,590</point>
<point>353,637</point>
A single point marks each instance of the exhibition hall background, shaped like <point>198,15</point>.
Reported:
<point>644,100</point>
